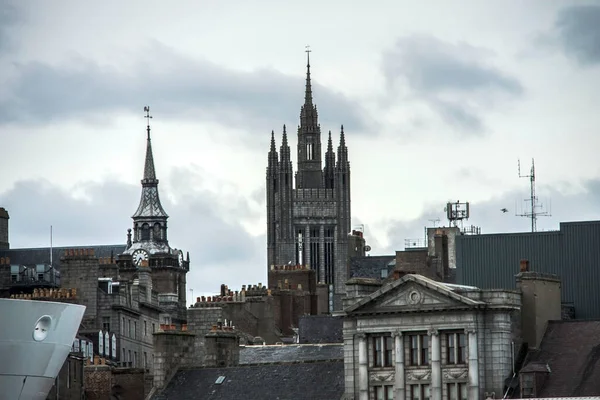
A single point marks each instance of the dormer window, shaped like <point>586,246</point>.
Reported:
<point>527,386</point>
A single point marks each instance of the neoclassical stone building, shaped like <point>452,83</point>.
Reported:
<point>415,338</point>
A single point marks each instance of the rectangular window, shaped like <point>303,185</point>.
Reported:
<point>419,392</point>
<point>153,327</point>
<point>456,345</point>
<point>106,324</point>
<point>457,391</point>
<point>135,329</point>
<point>145,360</point>
<point>384,392</point>
<point>123,326</point>
<point>145,328</point>
<point>383,346</point>
<point>419,349</point>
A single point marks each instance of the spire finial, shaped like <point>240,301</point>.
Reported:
<point>308,50</point>
<point>284,139</point>
<point>342,137</point>
<point>273,140</point>
<point>308,91</point>
<point>147,116</point>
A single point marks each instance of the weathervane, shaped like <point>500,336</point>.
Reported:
<point>308,50</point>
<point>148,116</point>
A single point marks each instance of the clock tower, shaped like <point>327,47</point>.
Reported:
<point>148,245</point>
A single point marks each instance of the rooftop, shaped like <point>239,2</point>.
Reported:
<point>291,353</point>
<point>314,381</point>
<point>572,351</point>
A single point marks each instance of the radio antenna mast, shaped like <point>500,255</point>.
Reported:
<point>535,208</point>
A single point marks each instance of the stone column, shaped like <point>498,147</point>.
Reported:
<point>399,389</point>
<point>436,365</point>
<point>306,255</point>
<point>322,252</point>
<point>473,364</point>
<point>363,372</point>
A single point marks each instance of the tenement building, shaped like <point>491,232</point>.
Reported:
<point>309,223</point>
<point>415,338</point>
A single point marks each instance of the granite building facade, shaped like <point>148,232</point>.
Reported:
<point>309,224</point>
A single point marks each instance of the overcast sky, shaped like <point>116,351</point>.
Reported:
<point>438,100</point>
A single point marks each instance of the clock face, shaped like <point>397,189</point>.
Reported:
<point>139,256</point>
<point>180,258</point>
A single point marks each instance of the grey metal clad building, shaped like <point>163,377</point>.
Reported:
<point>572,253</point>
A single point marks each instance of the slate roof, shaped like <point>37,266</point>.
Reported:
<point>291,353</point>
<point>371,266</point>
<point>41,255</point>
<point>572,351</point>
<point>301,381</point>
<point>320,329</point>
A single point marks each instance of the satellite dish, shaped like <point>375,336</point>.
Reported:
<point>367,248</point>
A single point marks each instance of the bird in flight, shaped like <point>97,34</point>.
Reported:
<point>504,210</point>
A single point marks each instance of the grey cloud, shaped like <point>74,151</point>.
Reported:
<point>174,86</point>
<point>448,77</point>
<point>579,32</point>
<point>488,214</point>
<point>9,17</point>
<point>218,249</point>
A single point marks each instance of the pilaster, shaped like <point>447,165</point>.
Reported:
<point>473,364</point>
<point>399,388</point>
<point>363,373</point>
<point>436,365</point>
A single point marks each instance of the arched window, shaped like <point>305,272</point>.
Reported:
<point>145,232</point>
<point>157,231</point>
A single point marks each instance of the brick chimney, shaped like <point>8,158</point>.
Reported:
<point>524,265</point>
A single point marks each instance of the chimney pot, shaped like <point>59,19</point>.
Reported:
<point>524,265</point>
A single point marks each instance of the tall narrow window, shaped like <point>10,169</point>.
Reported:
<point>315,252</point>
<point>382,351</point>
<point>145,232</point>
<point>329,254</point>
<point>419,392</point>
<point>457,391</point>
<point>310,151</point>
<point>384,392</point>
<point>419,349</point>
<point>456,348</point>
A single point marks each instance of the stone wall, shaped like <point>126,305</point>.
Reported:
<point>200,321</point>
<point>129,383</point>
<point>172,350</point>
<point>4,242</point>
<point>222,348</point>
<point>79,270</point>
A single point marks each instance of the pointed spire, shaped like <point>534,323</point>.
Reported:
<point>329,143</point>
<point>308,90</point>
<point>150,206</point>
<point>149,171</point>
<point>342,150</point>
<point>273,149</point>
<point>284,141</point>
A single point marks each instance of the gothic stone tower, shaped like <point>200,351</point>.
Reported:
<point>309,224</point>
<point>149,247</point>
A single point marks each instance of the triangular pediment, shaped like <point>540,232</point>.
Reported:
<point>412,293</point>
